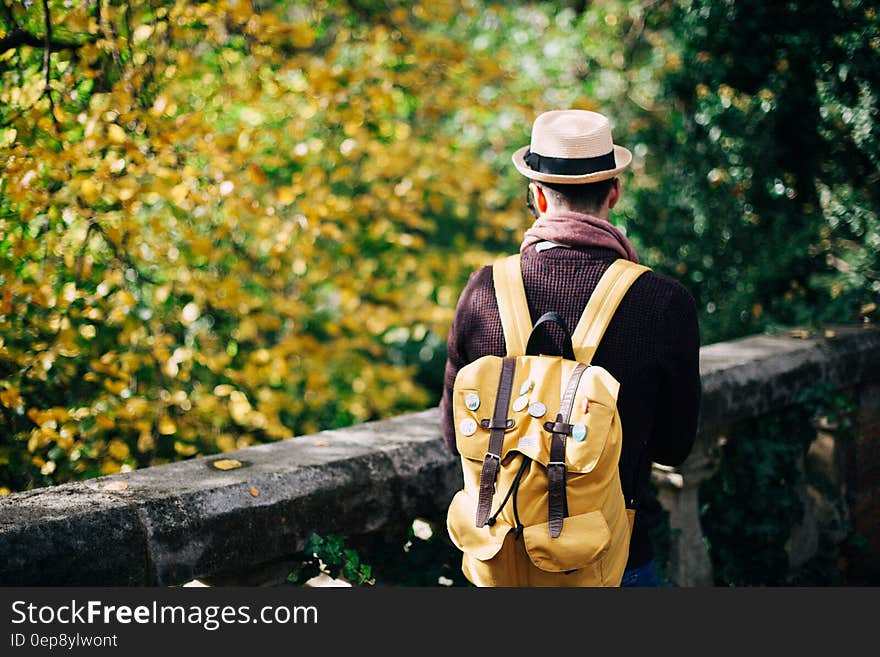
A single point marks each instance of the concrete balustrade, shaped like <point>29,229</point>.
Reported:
<point>170,524</point>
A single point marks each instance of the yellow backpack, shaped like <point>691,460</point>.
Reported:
<point>540,440</point>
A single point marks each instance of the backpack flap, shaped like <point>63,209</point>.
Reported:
<point>538,385</point>
<point>474,395</point>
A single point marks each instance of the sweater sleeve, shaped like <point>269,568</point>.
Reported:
<point>679,385</point>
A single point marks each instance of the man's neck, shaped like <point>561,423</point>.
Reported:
<point>556,210</point>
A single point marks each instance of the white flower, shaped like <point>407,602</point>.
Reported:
<point>422,529</point>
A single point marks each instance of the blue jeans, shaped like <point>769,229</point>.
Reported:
<point>641,576</point>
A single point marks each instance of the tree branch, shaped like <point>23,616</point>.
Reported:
<point>18,37</point>
<point>47,69</point>
<point>110,37</point>
<point>82,252</point>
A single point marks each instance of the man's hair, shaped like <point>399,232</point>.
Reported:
<point>588,196</point>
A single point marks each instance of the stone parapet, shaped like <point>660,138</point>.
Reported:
<point>169,524</point>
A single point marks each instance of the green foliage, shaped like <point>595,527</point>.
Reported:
<point>234,231</point>
<point>228,223</point>
<point>328,555</point>
<point>766,166</point>
<point>751,504</point>
<point>749,507</point>
<point>421,557</point>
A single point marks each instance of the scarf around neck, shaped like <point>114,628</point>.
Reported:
<point>571,228</point>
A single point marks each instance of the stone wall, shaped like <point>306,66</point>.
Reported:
<point>173,523</point>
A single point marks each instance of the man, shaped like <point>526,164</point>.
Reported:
<point>651,345</point>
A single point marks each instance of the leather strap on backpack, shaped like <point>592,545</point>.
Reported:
<point>603,302</point>
<point>557,503</point>
<point>496,441</point>
<point>512,304</point>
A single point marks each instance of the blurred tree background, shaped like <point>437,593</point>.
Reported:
<point>226,223</point>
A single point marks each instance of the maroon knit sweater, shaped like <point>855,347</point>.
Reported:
<point>651,347</point>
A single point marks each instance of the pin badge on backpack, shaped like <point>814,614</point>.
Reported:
<point>520,403</point>
<point>537,409</point>
<point>472,401</point>
<point>468,427</point>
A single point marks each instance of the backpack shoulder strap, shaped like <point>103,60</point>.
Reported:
<point>604,300</point>
<point>512,305</point>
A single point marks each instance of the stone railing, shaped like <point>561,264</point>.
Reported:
<point>754,376</point>
<point>173,523</point>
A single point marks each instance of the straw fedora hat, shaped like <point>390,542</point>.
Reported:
<point>571,147</point>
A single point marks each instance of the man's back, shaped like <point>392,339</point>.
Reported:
<point>651,347</point>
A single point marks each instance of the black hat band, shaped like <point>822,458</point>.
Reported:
<point>565,166</point>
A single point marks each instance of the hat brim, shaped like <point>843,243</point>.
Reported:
<point>622,157</point>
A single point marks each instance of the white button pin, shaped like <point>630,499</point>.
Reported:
<point>468,427</point>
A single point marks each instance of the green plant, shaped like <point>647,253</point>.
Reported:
<point>752,503</point>
<point>763,152</point>
<point>419,557</point>
<point>329,555</point>
<point>425,558</point>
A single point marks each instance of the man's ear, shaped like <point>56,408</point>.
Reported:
<point>539,199</point>
<point>614,193</point>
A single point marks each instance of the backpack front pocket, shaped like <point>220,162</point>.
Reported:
<point>584,539</point>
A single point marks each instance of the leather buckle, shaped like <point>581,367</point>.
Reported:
<point>487,423</point>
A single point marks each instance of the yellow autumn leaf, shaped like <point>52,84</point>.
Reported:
<point>185,449</point>
<point>285,195</point>
<point>239,407</point>
<point>179,193</point>
<point>146,443</point>
<point>227,464</point>
<point>116,134</point>
<point>115,386</point>
<point>109,466</point>
<point>10,397</point>
<point>136,407</point>
<point>302,35</point>
<point>90,190</point>
<point>118,449</point>
<point>167,427</point>
<point>202,246</point>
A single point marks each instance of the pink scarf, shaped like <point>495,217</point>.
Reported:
<point>578,229</point>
